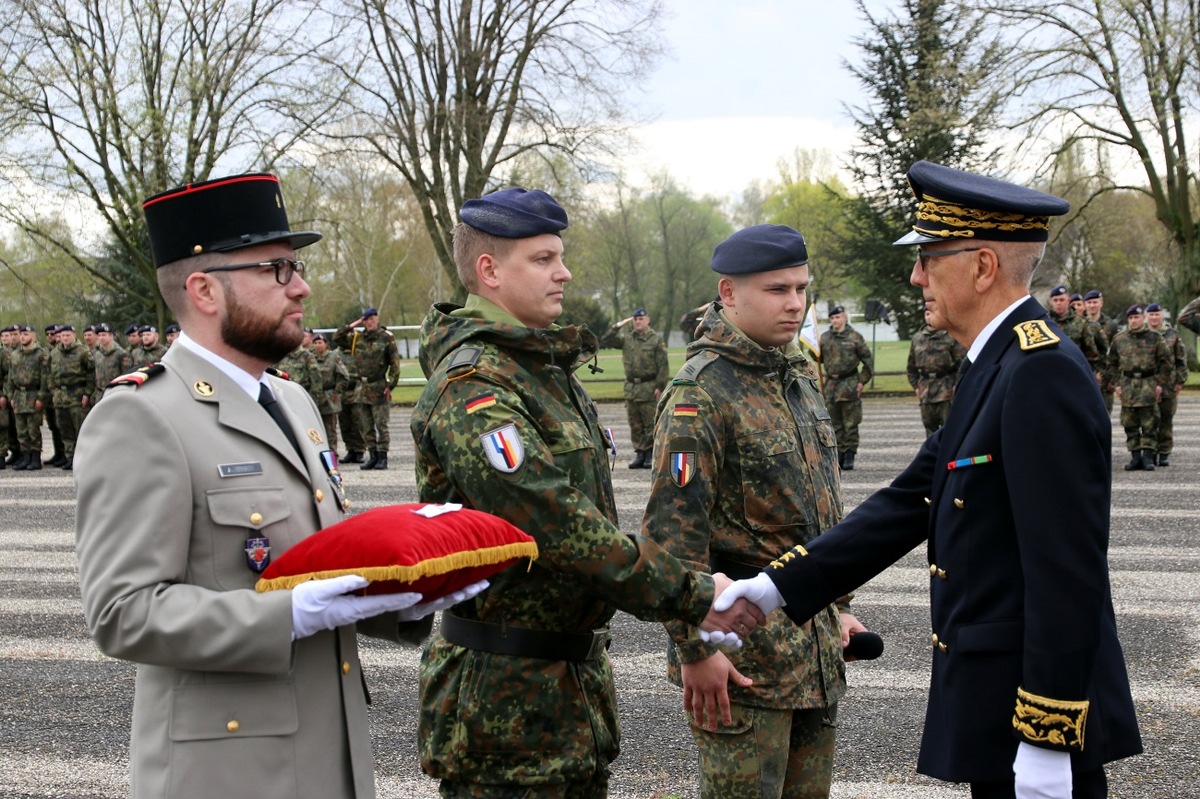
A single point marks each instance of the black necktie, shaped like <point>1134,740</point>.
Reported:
<point>962,371</point>
<point>271,406</point>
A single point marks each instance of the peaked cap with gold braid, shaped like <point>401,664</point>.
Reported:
<point>953,205</point>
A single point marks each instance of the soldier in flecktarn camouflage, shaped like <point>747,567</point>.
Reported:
<point>1140,369</point>
<point>26,388</point>
<point>301,368</point>
<point>110,359</point>
<point>843,351</point>
<point>335,380</point>
<point>1179,375</point>
<point>72,377</point>
<point>516,688</point>
<point>644,356</point>
<point>377,364</point>
<point>1085,333</point>
<point>933,360</point>
<point>745,465</point>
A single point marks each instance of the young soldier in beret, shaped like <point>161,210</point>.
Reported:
<point>745,466</point>
<point>517,694</point>
<point>644,357</point>
<point>238,693</point>
<point>843,352</point>
<point>26,389</point>
<point>1078,327</point>
<point>1179,375</point>
<point>1140,367</point>
<point>110,359</point>
<point>1028,677</point>
<point>71,375</point>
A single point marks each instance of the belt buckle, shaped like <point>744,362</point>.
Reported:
<point>600,639</point>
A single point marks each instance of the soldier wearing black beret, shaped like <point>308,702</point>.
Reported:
<point>1028,676</point>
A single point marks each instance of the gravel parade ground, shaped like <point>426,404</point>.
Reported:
<point>64,707</point>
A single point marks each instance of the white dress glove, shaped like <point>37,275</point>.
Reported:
<point>325,604</point>
<point>1042,773</point>
<point>450,600</point>
<point>758,590</point>
<point>730,640</point>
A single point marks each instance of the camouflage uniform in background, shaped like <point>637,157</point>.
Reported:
<point>335,380</point>
<point>1138,362</point>
<point>350,418</point>
<point>144,356</point>
<point>644,356</point>
<point>1189,317</point>
<point>378,365</point>
<point>505,427</point>
<point>1177,353</point>
<point>110,364</point>
<point>745,467</point>
<point>933,359</point>
<point>300,365</point>
<point>841,355</point>
<point>28,376</point>
<point>1108,328</point>
<point>9,416</point>
<point>1086,334</point>
<point>5,428</point>
<point>72,377</point>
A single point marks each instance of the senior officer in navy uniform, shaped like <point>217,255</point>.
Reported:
<point>1028,676</point>
<point>238,693</point>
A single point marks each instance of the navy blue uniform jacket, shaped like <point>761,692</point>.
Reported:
<point>1018,554</point>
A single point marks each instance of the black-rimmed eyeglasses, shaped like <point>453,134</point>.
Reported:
<point>284,269</point>
<point>925,257</point>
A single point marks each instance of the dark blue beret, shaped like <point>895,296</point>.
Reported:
<point>1133,310</point>
<point>104,327</point>
<point>837,309</point>
<point>147,329</point>
<point>218,216</point>
<point>1154,307</point>
<point>51,328</point>
<point>61,328</point>
<point>1058,290</point>
<point>639,312</point>
<point>760,248</point>
<point>1076,297</point>
<point>515,213</point>
<point>953,205</point>
<point>1094,294</point>
<point>370,312</point>
<point>135,327</point>
<point>172,328</point>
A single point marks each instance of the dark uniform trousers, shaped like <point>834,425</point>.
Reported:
<point>1088,785</point>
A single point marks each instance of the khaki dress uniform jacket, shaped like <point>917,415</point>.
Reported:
<point>225,703</point>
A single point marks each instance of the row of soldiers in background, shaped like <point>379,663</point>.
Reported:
<point>62,381</point>
<point>1144,364</point>
<point>351,385</point>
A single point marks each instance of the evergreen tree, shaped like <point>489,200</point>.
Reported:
<point>929,71</point>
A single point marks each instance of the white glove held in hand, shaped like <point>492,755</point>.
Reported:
<point>758,590</point>
<point>730,640</point>
<point>450,600</point>
<point>325,604</point>
<point>1042,773</point>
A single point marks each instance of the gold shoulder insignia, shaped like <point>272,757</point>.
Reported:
<point>138,376</point>
<point>1034,334</point>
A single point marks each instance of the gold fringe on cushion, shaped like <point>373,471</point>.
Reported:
<point>410,574</point>
<point>1054,723</point>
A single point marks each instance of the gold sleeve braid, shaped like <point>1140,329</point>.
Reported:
<point>1053,723</point>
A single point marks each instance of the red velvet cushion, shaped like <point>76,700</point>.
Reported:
<point>398,549</point>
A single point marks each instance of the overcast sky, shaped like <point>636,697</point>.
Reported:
<point>745,84</point>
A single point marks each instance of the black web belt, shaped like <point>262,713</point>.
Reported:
<point>832,376</point>
<point>504,639</point>
<point>1139,374</point>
